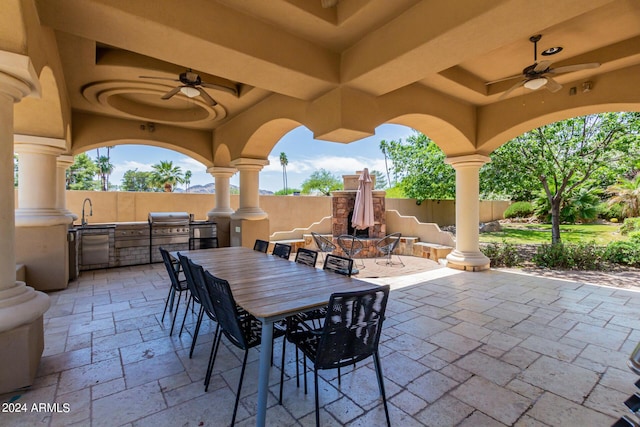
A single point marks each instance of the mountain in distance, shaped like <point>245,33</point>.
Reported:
<point>211,189</point>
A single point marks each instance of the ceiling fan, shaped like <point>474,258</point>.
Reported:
<point>540,74</point>
<point>192,86</point>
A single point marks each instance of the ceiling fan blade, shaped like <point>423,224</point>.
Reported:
<point>542,66</point>
<point>577,67</point>
<point>552,85</point>
<point>511,89</point>
<point>503,79</point>
<point>159,78</point>
<point>231,90</point>
<point>206,97</point>
<point>171,92</point>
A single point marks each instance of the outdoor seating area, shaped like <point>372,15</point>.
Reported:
<point>456,349</point>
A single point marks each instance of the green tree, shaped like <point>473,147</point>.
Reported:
<point>564,155</point>
<point>322,181</point>
<point>80,174</point>
<point>381,181</point>
<point>419,168</point>
<point>133,180</point>
<point>579,205</point>
<point>284,162</point>
<point>105,168</point>
<point>187,180</point>
<point>166,175</point>
<point>383,148</point>
<point>627,193</point>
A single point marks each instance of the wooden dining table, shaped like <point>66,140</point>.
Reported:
<point>271,289</point>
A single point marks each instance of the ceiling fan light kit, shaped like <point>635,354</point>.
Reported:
<point>535,84</point>
<point>192,86</point>
<point>189,91</point>
<point>539,74</point>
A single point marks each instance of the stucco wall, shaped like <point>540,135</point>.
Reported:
<point>285,212</point>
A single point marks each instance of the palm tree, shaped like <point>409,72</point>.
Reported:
<point>284,162</point>
<point>104,170</point>
<point>187,180</point>
<point>627,193</point>
<point>166,175</point>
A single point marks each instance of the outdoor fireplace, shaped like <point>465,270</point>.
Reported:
<point>343,203</point>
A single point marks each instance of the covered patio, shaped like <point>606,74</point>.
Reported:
<point>222,81</point>
<point>458,349</point>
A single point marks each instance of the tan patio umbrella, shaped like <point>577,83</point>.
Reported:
<point>363,208</point>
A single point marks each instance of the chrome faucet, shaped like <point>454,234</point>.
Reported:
<point>84,221</point>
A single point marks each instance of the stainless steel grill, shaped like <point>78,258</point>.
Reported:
<point>169,230</point>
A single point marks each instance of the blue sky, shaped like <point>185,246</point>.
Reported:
<point>305,156</point>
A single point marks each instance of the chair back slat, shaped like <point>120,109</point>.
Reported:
<point>261,246</point>
<point>338,264</point>
<point>352,327</point>
<point>306,257</point>
<point>197,272</point>
<point>173,269</point>
<point>282,250</point>
<point>225,309</point>
<point>188,275</point>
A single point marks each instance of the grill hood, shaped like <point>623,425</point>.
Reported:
<point>168,218</point>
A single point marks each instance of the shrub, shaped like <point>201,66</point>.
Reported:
<point>625,252</point>
<point>587,256</point>
<point>610,212</point>
<point>552,256</point>
<point>583,256</point>
<point>502,254</point>
<point>519,210</point>
<point>630,225</point>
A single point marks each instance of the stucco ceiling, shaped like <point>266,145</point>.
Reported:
<point>302,50</point>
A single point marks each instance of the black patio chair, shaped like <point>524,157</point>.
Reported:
<point>261,246</point>
<point>199,279</point>
<point>188,268</point>
<point>387,245</point>
<point>177,285</point>
<point>281,250</point>
<point>338,264</point>
<point>307,257</point>
<point>241,329</point>
<point>351,246</point>
<point>323,244</point>
<point>351,333</point>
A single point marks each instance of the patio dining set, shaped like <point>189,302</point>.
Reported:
<point>253,297</point>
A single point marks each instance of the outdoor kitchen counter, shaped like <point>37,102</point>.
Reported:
<point>119,244</point>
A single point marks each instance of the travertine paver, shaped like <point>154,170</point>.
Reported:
<point>562,378</point>
<point>458,349</point>
<point>497,402</point>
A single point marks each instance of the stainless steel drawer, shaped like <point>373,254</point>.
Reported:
<point>95,249</point>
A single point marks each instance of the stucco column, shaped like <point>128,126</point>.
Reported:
<point>223,195</point>
<point>467,255</point>
<point>21,307</point>
<point>37,181</point>
<point>63,163</point>
<point>249,188</point>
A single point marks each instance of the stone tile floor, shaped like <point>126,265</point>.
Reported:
<point>458,349</point>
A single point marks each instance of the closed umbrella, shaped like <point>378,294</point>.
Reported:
<point>363,208</point>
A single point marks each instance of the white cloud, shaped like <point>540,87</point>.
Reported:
<point>132,165</point>
<point>187,163</point>
<point>333,164</point>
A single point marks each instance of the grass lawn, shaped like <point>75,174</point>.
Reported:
<point>516,233</point>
